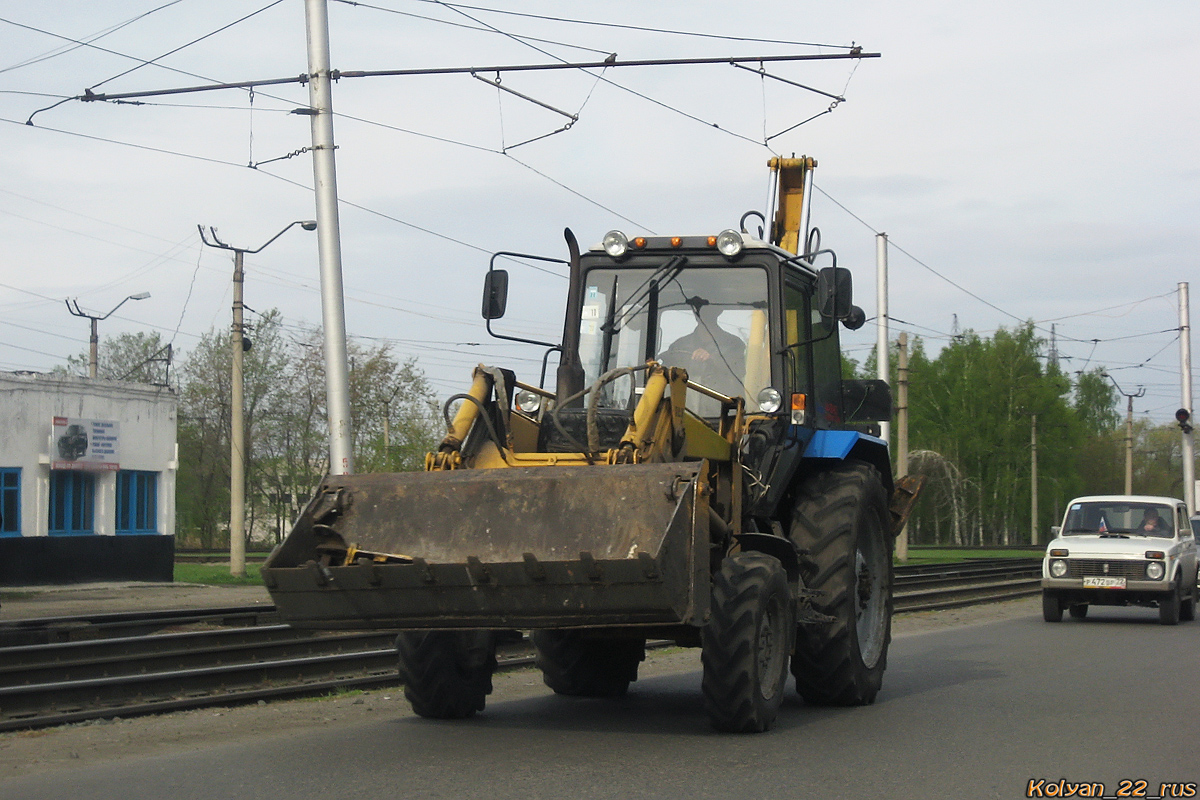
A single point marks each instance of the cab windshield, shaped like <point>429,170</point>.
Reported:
<point>1120,519</point>
<point>712,321</point>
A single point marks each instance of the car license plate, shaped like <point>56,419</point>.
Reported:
<point>1103,582</point>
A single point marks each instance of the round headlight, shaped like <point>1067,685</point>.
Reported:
<point>615,243</point>
<point>1058,568</point>
<point>769,400</point>
<point>528,401</point>
<point>729,243</point>
<point>1155,571</point>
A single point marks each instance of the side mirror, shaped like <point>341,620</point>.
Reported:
<point>834,293</point>
<point>1055,530</point>
<point>495,293</point>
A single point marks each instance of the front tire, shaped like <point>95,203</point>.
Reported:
<point>446,674</point>
<point>1187,608</point>
<point>840,518</point>
<point>1169,608</point>
<point>1051,607</point>
<point>587,667</point>
<point>746,643</point>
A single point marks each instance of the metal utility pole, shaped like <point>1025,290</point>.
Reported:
<point>1128,431</point>
<point>881,316</point>
<point>1033,483</point>
<point>902,431</point>
<point>329,239</point>
<point>237,419</point>
<point>94,342</point>
<point>1185,370</point>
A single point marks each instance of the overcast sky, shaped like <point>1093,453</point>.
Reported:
<point>1037,160</point>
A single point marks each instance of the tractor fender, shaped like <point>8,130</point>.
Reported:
<point>842,445</point>
<point>776,546</point>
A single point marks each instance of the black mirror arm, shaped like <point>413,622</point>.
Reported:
<point>488,322</point>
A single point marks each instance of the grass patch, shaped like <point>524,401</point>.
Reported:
<point>18,595</point>
<point>936,556</point>
<point>216,574</point>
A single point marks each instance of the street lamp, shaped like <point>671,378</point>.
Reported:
<point>1128,431</point>
<point>94,346</point>
<point>237,422</point>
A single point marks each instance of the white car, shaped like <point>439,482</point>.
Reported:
<point>1118,550</point>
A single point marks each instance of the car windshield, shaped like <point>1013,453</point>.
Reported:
<point>712,321</point>
<point>1120,518</point>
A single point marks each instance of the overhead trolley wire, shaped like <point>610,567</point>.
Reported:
<point>83,43</point>
<point>466,27</point>
<point>641,28</point>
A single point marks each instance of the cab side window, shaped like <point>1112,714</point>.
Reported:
<point>797,303</point>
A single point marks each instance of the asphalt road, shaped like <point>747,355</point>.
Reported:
<point>975,711</point>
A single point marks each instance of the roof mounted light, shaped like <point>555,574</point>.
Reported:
<point>729,243</point>
<point>615,243</point>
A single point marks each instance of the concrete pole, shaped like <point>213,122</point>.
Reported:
<point>329,239</point>
<point>881,315</point>
<point>237,431</point>
<point>1185,370</point>
<point>387,428</point>
<point>902,432</point>
<point>1129,445</point>
<point>1033,483</point>
<point>93,350</point>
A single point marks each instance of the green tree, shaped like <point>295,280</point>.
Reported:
<point>972,414</point>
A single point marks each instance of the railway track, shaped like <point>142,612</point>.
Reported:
<point>70,669</point>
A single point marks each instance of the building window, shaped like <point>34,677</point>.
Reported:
<point>137,502</point>
<point>10,501</point>
<point>71,494</point>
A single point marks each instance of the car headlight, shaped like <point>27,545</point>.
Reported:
<point>1058,568</point>
<point>769,400</point>
<point>1155,570</point>
<point>528,401</point>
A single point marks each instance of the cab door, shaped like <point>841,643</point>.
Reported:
<point>1187,541</point>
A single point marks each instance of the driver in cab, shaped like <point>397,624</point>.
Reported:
<point>712,356</point>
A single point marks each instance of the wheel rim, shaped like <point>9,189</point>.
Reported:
<point>771,655</point>
<point>870,576</point>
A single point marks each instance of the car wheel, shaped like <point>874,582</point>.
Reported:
<point>1079,610</point>
<point>1187,608</point>
<point>1051,607</point>
<point>1169,608</point>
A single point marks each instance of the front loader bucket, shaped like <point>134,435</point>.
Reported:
<point>531,547</point>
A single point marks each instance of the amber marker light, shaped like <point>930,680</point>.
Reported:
<point>676,241</point>
<point>1057,553</point>
<point>798,402</point>
<point>639,242</point>
<point>712,241</point>
<point>1155,554</point>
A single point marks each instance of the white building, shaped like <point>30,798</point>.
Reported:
<point>87,475</point>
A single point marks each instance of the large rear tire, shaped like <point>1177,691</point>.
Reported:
<point>573,664</point>
<point>446,674</point>
<point>840,518</point>
<point>746,643</point>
